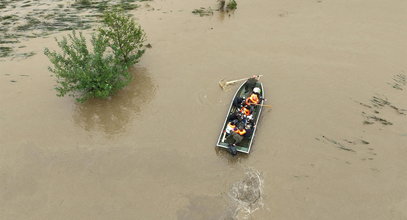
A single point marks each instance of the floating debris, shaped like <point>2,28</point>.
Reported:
<point>357,141</point>
<point>338,145</point>
<point>378,102</point>
<point>365,105</point>
<point>364,142</point>
<point>203,11</point>
<point>367,122</point>
<point>373,118</point>
<point>399,81</point>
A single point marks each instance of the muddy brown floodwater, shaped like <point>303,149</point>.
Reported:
<point>334,71</point>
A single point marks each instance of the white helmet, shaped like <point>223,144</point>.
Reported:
<point>257,90</point>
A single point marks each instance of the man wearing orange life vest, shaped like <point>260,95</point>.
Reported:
<point>235,138</point>
<point>254,98</point>
<point>240,131</point>
<point>245,111</point>
<point>231,126</point>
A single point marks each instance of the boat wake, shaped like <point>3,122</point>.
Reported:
<point>247,195</point>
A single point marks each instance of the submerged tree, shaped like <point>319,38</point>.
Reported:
<point>124,36</point>
<point>232,5</point>
<point>98,73</point>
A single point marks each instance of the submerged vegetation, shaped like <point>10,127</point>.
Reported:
<point>222,7</point>
<point>5,51</point>
<point>123,36</point>
<point>203,11</point>
<point>41,18</point>
<point>99,71</point>
<point>232,5</point>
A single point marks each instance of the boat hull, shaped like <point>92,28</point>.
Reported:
<point>245,145</point>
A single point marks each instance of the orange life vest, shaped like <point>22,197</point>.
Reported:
<point>253,99</point>
<point>240,132</point>
<point>231,126</point>
<point>245,111</point>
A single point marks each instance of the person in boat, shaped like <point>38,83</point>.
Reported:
<point>249,128</point>
<point>251,82</point>
<point>236,116</point>
<point>254,98</point>
<point>247,111</point>
<point>241,113</point>
<point>241,130</point>
<point>238,102</point>
<point>231,127</point>
<point>235,138</point>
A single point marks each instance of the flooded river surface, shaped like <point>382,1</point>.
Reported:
<point>332,147</point>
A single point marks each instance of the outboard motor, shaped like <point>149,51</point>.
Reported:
<point>232,150</point>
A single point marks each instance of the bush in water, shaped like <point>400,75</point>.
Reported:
<point>232,5</point>
<point>124,36</point>
<point>86,74</point>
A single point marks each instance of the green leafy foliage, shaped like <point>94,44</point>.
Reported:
<point>124,36</point>
<point>102,70</point>
<point>232,5</point>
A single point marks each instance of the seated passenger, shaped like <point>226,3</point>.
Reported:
<point>231,126</point>
<point>240,130</point>
<point>249,128</point>
<point>254,98</point>
<point>237,116</point>
<point>238,102</point>
<point>245,111</point>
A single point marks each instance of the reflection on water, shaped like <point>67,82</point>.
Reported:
<point>112,114</point>
<point>221,16</point>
